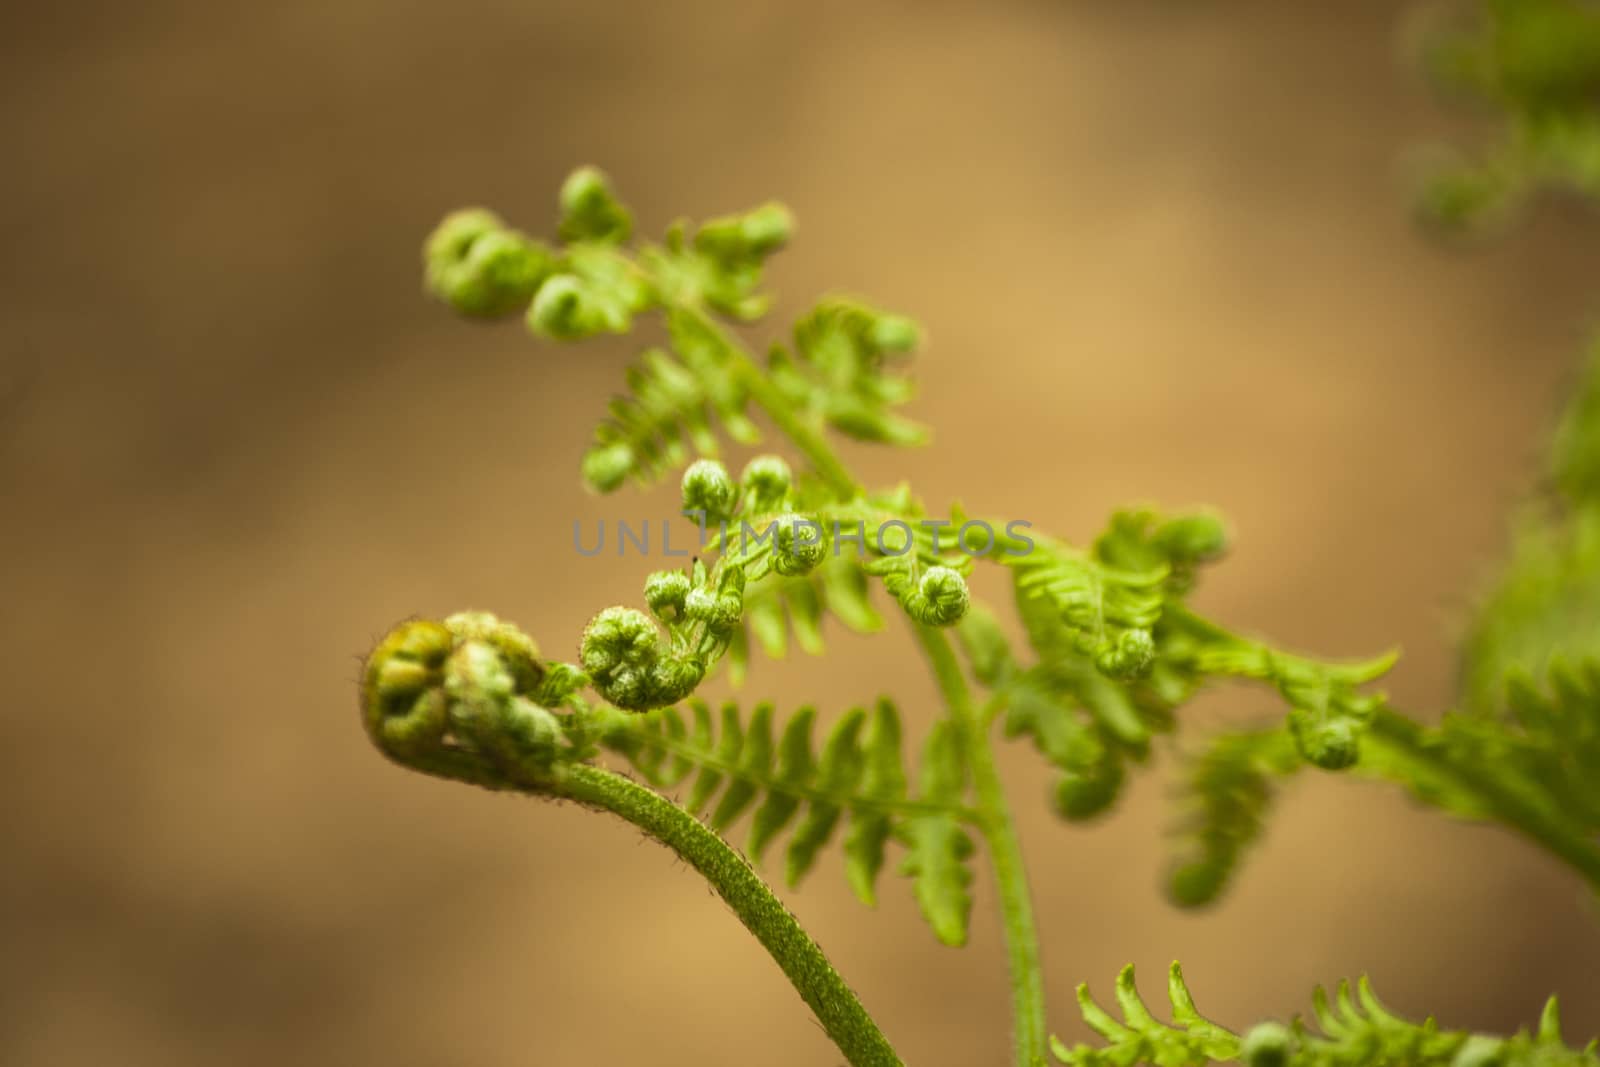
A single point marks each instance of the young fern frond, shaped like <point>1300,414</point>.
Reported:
<point>839,376</point>
<point>1541,758</point>
<point>1352,1029</point>
<point>839,371</point>
<point>666,416</point>
<point>1532,766</point>
<point>1524,750</point>
<point>1116,651</point>
<point>857,778</point>
<point>1113,651</point>
<point>1224,799</point>
<point>469,699</point>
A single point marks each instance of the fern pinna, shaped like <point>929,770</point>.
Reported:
<point>857,777</point>
<point>1350,1029</point>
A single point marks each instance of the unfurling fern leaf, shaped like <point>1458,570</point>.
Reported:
<point>1223,807</point>
<point>1532,764</point>
<point>858,777</point>
<point>840,374</point>
<point>650,432</point>
<point>1118,651</point>
<point>1356,1030</point>
<point>1541,754</point>
<point>1097,606</point>
<point>1083,721</point>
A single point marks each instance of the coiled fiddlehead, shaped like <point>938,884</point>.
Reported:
<point>442,696</point>
<point>463,698</point>
<point>480,267</point>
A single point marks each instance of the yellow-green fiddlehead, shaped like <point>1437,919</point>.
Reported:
<point>464,698</point>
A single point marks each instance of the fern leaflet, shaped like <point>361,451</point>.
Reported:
<point>1356,1030</point>
<point>857,778</point>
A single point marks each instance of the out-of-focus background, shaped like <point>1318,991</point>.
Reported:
<point>1162,251</point>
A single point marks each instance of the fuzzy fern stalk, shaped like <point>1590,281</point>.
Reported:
<point>794,546</point>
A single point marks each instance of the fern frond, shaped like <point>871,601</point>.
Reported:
<point>857,778</point>
<point>937,845</point>
<point>1542,755</point>
<point>1531,766</point>
<point>668,411</point>
<point>1141,1038</point>
<point>841,371</point>
<point>1223,805</point>
<point>1351,1029</point>
<point>1096,603</point>
<point>1118,651</point>
<point>1538,61</point>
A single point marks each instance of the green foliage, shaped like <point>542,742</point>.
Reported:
<point>1141,1038</point>
<point>1524,747</point>
<point>1540,757</point>
<point>857,777</point>
<point>840,374</point>
<point>480,267</point>
<point>1226,796</point>
<point>1537,62</point>
<point>1356,1030</point>
<point>1545,605</point>
<point>840,371</point>
<point>1117,651</point>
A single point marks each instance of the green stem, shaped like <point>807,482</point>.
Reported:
<point>807,438</point>
<point>1029,1036</point>
<point>819,985</point>
<point>1408,741</point>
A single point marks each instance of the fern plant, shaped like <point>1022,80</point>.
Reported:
<point>1113,647</point>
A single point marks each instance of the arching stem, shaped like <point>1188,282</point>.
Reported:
<point>1029,1029</point>
<point>763,914</point>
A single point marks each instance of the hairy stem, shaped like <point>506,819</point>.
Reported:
<point>994,822</point>
<point>1407,740</point>
<point>1029,1037</point>
<point>763,914</point>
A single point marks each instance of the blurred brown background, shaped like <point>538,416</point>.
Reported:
<point>1162,253</point>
